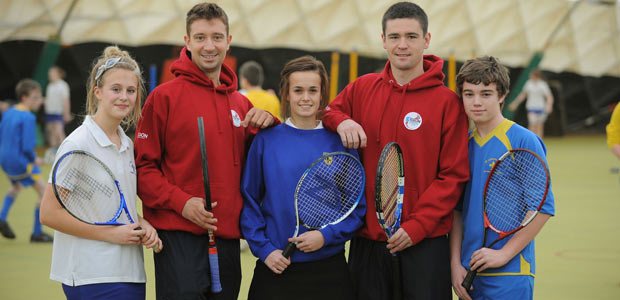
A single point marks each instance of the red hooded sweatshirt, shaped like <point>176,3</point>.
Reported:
<point>168,153</point>
<point>429,123</point>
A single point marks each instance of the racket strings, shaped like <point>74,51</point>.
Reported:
<point>389,187</point>
<point>515,190</point>
<point>86,189</point>
<point>330,191</point>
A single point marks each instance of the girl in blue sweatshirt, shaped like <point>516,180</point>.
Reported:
<point>276,160</point>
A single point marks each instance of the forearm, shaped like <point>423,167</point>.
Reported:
<point>615,149</point>
<point>524,236</point>
<point>53,215</point>
<point>456,238</point>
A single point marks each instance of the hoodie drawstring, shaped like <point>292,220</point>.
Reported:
<point>400,110</point>
<point>232,128</point>
<point>383,109</point>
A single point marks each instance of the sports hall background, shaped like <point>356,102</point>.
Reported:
<point>575,42</point>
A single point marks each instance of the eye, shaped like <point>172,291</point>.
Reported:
<point>116,89</point>
<point>199,38</point>
<point>487,94</point>
<point>131,91</point>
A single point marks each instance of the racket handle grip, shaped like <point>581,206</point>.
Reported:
<point>289,250</point>
<point>469,279</point>
<point>216,286</point>
<point>156,248</point>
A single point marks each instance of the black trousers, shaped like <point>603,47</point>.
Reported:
<point>182,268</point>
<point>326,279</point>
<point>425,270</point>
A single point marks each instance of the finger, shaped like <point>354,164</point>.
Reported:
<point>343,138</point>
<point>248,117</point>
<point>349,140</point>
<point>363,139</point>
<point>268,121</point>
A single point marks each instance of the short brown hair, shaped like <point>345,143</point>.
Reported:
<point>302,64</point>
<point>207,11</point>
<point>252,72</point>
<point>24,87</point>
<point>406,10</point>
<point>486,70</point>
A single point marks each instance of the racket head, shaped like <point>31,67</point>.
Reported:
<point>390,188</point>
<point>329,190</point>
<point>515,191</point>
<point>87,189</point>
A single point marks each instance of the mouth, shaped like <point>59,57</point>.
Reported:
<point>210,57</point>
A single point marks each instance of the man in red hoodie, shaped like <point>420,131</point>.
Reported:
<point>168,161</point>
<point>409,104</point>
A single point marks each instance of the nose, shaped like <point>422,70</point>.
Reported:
<point>402,43</point>
<point>208,45</point>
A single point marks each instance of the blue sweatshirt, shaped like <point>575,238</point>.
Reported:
<point>276,160</point>
<point>17,140</point>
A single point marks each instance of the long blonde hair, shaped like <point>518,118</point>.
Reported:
<point>121,59</point>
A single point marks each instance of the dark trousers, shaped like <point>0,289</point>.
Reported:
<point>326,279</point>
<point>182,268</point>
<point>425,270</point>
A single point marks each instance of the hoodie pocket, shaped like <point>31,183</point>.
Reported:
<point>409,201</point>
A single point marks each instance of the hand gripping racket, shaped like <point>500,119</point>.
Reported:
<point>327,192</point>
<point>514,193</point>
<point>389,191</point>
<point>214,264</point>
<point>88,190</point>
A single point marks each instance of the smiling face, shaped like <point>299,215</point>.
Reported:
<point>405,41</point>
<point>208,42</point>
<point>117,94</point>
<point>304,95</point>
<point>483,104</point>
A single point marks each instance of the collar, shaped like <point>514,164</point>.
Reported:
<point>100,136</point>
<point>290,123</point>
<point>21,107</point>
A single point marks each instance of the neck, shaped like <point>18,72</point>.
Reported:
<point>109,127</point>
<point>405,76</point>
<point>253,88</point>
<point>214,76</point>
<point>305,123</point>
<point>486,127</point>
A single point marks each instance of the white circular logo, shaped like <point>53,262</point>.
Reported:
<point>235,117</point>
<point>413,121</point>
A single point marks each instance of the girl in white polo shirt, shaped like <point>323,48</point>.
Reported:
<point>103,262</point>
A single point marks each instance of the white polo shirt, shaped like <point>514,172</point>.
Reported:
<point>537,91</point>
<point>55,96</point>
<point>78,261</point>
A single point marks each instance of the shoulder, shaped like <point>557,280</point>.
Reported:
<point>368,79</point>
<point>521,137</point>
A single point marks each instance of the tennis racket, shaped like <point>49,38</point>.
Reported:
<point>389,191</point>
<point>327,192</point>
<point>214,263</point>
<point>514,193</point>
<point>88,190</point>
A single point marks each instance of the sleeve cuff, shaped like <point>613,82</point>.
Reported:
<point>178,198</point>
<point>414,230</point>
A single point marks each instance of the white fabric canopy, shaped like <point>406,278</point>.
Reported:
<point>588,43</point>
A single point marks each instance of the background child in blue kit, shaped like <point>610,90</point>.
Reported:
<point>17,154</point>
<point>507,270</point>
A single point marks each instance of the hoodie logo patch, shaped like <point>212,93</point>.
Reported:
<point>413,121</point>
<point>235,118</point>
